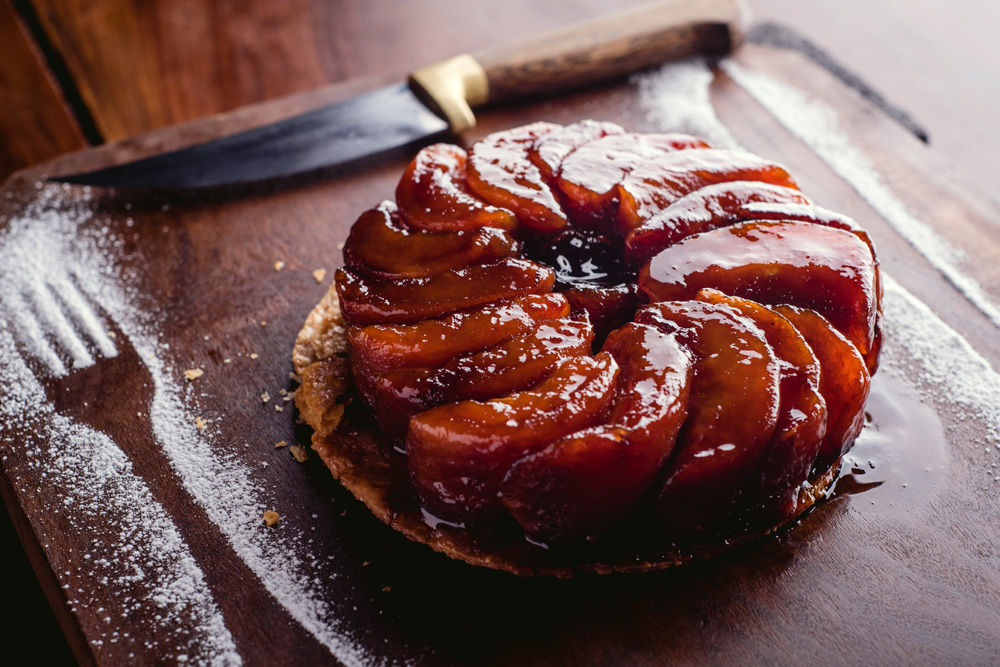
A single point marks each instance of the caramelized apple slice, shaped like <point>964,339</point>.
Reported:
<point>516,364</point>
<point>589,177</point>
<point>459,453</point>
<point>432,194</point>
<point>732,415</point>
<point>656,184</point>
<point>379,245</point>
<point>844,381</point>
<point>591,479</point>
<point>828,270</point>
<point>706,208</point>
<point>378,349</point>
<point>370,301</point>
<point>500,172</point>
<point>608,307</point>
<point>821,216</point>
<point>802,414</point>
<point>549,152</point>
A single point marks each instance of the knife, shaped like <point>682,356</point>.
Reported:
<point>438,99</point>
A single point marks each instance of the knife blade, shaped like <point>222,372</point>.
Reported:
<point>438,99</point>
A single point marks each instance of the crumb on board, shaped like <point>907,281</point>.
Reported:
<point>200,423</point>
<point>193,374</point>
<point>271,517</point>
<point>299,452</point>
<point>254,355</point>
<point>227,360</point>
<point>278,408</point>
<point>112,334</point>
<point>340,246</point>
<point>319,275</point>
<point>265,397</point>
<point>281,444</point>
<point>294,377</point>
<point>386,589</point>
<point>263,323</point>
<point>279,265</point>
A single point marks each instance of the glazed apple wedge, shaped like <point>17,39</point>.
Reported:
<point>459,453</point>
<point>379,245</point>
<point>802,413</point>
<point>844,381</point>
<point>366,300</point>
<point>500,172</point>
<point>551,149</point>
<point>518,363</point>
<point>704,209</point>
<point>822,268</point>
<point>733,412</point>
<point>590,176</point>
<point>432,194</point>
<point>593,478</point>
<point>378,349</point>
<point>655,185</point>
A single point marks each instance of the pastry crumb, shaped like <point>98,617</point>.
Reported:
<point>193,374</point>
<point>366,563</point>
<point>254,355</point>
<point>112,334</point>
<point>265,397</point>
<point>200,423</point>
<point>319,275</point>
<point>263,323</point>
<point>271,517</point>
<point>299,452</point>
<point>278,408</point>
<point>227,360</point>
<point>340,246</point>
<point>281,444</point>
<point>279,265</point>
<point>294,377</point>
<point>386,589</point>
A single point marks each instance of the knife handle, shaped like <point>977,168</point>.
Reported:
<point>610,47</point>
<point>589,52</point>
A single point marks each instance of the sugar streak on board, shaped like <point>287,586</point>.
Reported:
<point>63,238</point>
<point>85,478</point>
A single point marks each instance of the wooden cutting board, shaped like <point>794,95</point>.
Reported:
<point>900,566</point>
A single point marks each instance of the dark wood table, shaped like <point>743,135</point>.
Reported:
<point>76,73</point>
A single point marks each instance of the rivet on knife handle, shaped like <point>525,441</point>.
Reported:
<point>581,54</point>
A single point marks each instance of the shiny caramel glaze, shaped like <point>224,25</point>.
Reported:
<point>501,172</point>
<point>472,312</point>
<point>433,194</point>
<point>379,349</point>
<point>366,301</point>
<point>459,453</point>
<point>802,413</point>
<point>513,365</point>
<point>699,211</point>
<point>590,176</point>
<point>844,380</point>
<point>592,479</point>
<point>380,245</point>
<point>656,184</point>
<point>732,415</point>
<point>822,268</point>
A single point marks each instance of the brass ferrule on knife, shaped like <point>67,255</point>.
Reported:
<point>451,88</point>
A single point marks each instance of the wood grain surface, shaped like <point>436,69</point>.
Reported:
<point>900,567</point>
<point>35,124</point>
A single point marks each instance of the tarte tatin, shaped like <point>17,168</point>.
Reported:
<point>576,348</point>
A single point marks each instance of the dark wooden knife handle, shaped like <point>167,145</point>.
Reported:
<point>610,47</point>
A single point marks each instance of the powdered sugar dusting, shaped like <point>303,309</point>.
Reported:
<point>57,272</point>
<point>817,126</point>
<point>948,367</point>
<point>88,481</point>
<point>676,98</point>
